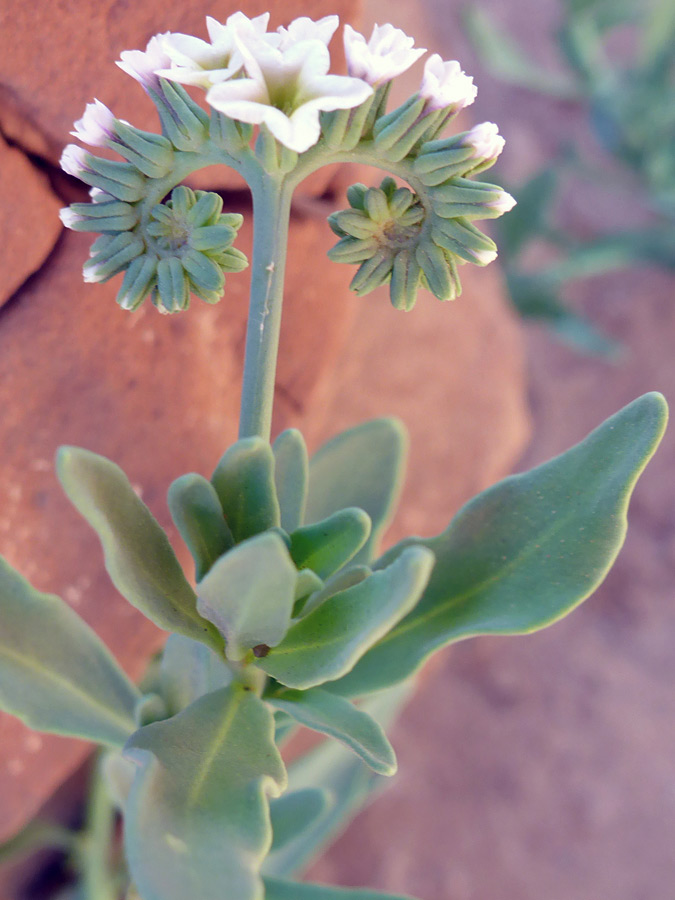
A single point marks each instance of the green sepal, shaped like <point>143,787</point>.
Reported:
<point>295,813</point>
<point>277,889</point>
<point>197,816</point>
<point>138,280</point>
<point>188,671</point>
<point>327,642</point>
<point>138,555</point>
<point>249,594</point>
<point>198,516</point>
<point>372,273</point>
<point>55,673</point>
<point>524,553</point>
<point>361,467</point>
<point>332,715</point>
<point>113,257</point>
<point>405,280</point>
<point>436,269</point>
<point>244,482</point>
<point>204,272</point>
<point>352,250</point>
<point>172,284</point>
<point>328,545</point>
<point>291,473</point>
<point>393,126</point>
<point>212,237</point>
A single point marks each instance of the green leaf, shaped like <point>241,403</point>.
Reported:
<point>351,786</point>
<point>332,715</point>
<point>524,553</point>
<point>334,585</point>
<point>55,673</point>
<point>327,642</point>
<point>295,813</point>
<point>249,594</point>
<point>197,817</point>
<point>361,467</point>
<point>244,482</point>
<point>189,670</point>
<point>198,516</point>
<point>291,473</point>
<point>138,555</point>
<point>328,545</point>
<point>275,889</point>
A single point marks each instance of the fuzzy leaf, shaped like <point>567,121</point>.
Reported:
<point>361,467</point>
<point>524,553</point>
<point>328,545</point>
<point>55,673</point>
<point>327,642</point>
<point>249,594</point>
<point>197,816</point>
<point>138,555</point>
<point>189,670</point>
<point>337,717</point>
<point>276,889</point>
<point>291,471</point>
<point>198,516</point>
<point>295,813</point>
<point>244,482</point>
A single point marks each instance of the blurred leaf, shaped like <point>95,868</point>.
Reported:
<point>293,890</point>
<point>502,56</point>
<point>326,546</point>
<point>334,716</point>
<point>55,673</point>
<point>291,473</point>
<point>138,555</point>
<point>249,594</point>
<point>244,482</point>
<point>327,642</point>
<point>362,467</point>
<point>295,813</point>
<point>198,516</point>
<point>189,670</point>
<point>197,816</point>
<point>524,553</point>
<point>528,220</point>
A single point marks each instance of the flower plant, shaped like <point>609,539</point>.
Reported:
<point>294,618</point>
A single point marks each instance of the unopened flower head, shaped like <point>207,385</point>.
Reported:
<point>74,160</point>
<point>306,29</point>
<point>96,127</point>
<point>198,62</point>
<point>285,89</point>
<point>503,203</point>
<point>445,85</point>
<point>484,257</point>
<point>144,64</point>
<point>485,139</point>
<point>388,53</point>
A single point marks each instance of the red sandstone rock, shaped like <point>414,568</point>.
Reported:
<point>29,221</point>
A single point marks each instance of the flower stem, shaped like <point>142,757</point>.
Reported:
<point>271,214</point>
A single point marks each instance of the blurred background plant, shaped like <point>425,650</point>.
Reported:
<point>628,100</point>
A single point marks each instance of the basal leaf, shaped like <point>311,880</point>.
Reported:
<point>295,813</point>
<point>197,817</point>
<point>327,642</point>
<point>276,889</point>
<point>55,673</point>
<point>189,670</point>
<point>249,594</point>
<point>326,546</point>
<point>244,482</point>
<point>337,717</point>
<point>291,471</point>
<point>138,555</point>
<point>361,467</point>
<point>198,516</point>
<point>524,553</point>
<point>350,784</point>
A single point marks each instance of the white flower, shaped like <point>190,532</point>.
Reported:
<point>74,160</point>
<point>306,29</point>
<point>68,217</point>
<point>445,85</point>
<point>388,53</point>
<point>96,127</point>
<point>485,140</point>
<point>484,257</point>
<point>194,61</point>
<point>286,89</point>
<point>143,64</point>
<point>503,203</point>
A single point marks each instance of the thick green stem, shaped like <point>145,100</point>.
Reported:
<point>271,214</point>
